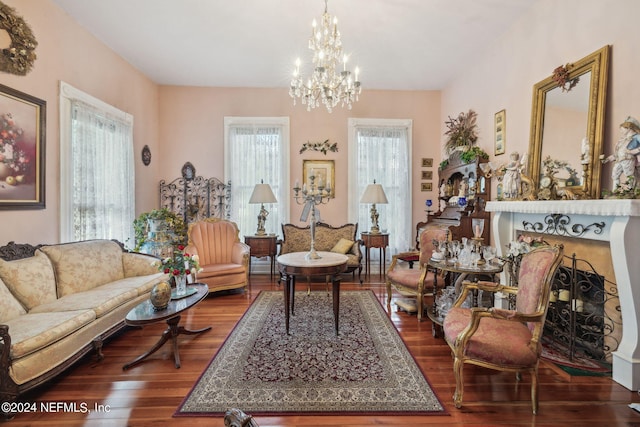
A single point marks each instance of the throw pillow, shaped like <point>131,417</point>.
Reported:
<point>10,307</point>
<point>31,280</point>
<point>343,246</point>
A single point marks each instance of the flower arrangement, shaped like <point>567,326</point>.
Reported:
<point>181,263</point>
<point>473,153</point>
<point>515,249</point>
<point>324,147</point>
<point>561,77</point>
<point>461,131</point>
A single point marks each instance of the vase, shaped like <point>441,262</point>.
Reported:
<point>160,295</point>
<point>181,284</point>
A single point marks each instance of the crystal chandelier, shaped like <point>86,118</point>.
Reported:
<point>327,85</point>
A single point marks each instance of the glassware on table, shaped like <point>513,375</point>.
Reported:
<point>489,253</point>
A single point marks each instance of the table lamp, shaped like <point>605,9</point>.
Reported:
<point>262,194</point>
<point>374,193</point>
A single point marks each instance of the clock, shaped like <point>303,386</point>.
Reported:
<point>545,182</point>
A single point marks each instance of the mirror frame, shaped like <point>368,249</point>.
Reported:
<point>598,64</point>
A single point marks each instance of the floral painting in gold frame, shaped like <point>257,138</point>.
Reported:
<point>22,145</point>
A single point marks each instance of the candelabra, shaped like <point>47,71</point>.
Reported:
<point>311,197</point>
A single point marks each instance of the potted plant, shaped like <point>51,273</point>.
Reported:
<point>461,132</point>
<point>472,154</point>
<point>173,223</point>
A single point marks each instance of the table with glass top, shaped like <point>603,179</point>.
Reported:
<point>454,275</point>
<point>145,314</point>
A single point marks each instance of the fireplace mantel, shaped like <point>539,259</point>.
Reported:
<point>616,221</point>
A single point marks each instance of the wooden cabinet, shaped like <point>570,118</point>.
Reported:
<point>469,180</point>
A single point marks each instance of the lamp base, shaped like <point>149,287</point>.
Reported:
<point>374,230</point>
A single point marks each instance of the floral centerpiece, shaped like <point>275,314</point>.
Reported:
<point>462,131</point>
<point>515,249</point>
<point>180,267</point>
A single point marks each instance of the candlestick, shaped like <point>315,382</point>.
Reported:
<point>311,197</point>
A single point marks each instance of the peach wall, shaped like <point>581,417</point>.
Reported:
<point>552,33</point>
<point>67,52</point>
<point>191,129</point>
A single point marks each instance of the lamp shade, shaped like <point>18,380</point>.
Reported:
<point>374,193</point>
<point>262,194</point>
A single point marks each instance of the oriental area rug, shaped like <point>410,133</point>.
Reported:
<point>261,370</point>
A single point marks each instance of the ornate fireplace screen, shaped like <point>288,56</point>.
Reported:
<point>584,318</point>
<point>195,197</point>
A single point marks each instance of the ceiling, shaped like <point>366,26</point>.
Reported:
<point>397,44</point>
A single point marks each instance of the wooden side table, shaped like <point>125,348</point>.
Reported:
<point>263,246</point>
<point>380,241</point>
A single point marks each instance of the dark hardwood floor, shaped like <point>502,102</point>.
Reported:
<point>148,394</point>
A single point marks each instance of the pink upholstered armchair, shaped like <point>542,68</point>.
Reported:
<point>500,339</point>
<point>224,260</point>
<point>415,281</point>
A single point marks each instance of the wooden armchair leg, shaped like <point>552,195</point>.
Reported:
<point>457,370</point>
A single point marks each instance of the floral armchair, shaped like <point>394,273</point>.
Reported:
<point>415,281</point>
<point>501,339</point>
<point>223,259</point>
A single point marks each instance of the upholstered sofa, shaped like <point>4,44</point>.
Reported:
<point>340,239</point>
<point>60,302</point>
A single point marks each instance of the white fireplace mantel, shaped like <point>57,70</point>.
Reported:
<point>612,220</point>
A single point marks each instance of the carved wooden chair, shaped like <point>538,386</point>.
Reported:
<point>501,339</point>
<point>416,282</point>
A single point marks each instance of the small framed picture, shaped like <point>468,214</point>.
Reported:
<point>426,186</point>
<point>500,132</point>
<point>427,163</point>
<point>426,175</point>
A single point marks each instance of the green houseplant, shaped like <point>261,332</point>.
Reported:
<point>472,154</point>
<point>173,222</point>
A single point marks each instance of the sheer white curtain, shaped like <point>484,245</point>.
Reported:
<point>96,169</point>
<point>257,149</point>
<point>103,175</point>
<point>380,150</point>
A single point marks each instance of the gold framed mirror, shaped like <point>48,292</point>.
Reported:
<point>567,125</point>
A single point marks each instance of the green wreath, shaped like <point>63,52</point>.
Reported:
<point>18,58</point>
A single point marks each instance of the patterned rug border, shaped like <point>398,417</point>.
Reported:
<point>441,412</point>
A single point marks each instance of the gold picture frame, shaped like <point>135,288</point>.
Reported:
<point>427,175</point>
<point>500,132</point>
<point>323,170</point>
<point>427,162</point>
<point>426,186</point>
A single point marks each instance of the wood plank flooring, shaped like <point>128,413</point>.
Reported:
<point>149,394</point>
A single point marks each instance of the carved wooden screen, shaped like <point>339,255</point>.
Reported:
<point>195,197</point>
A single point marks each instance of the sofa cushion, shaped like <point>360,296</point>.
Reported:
<point>343,246</point>
<point>101,299</point>
<point>31,280</point>
<point>32,332</point>
<point>136,264</point>
<point>81,266</point>
<point>10,307</point>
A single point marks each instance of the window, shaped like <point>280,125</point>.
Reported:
<point>96,169</point>
<point>257,149</point>
<point>380,150</point>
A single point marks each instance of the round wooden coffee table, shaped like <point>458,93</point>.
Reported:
<point>145,314</point>
<point>296,264</point>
